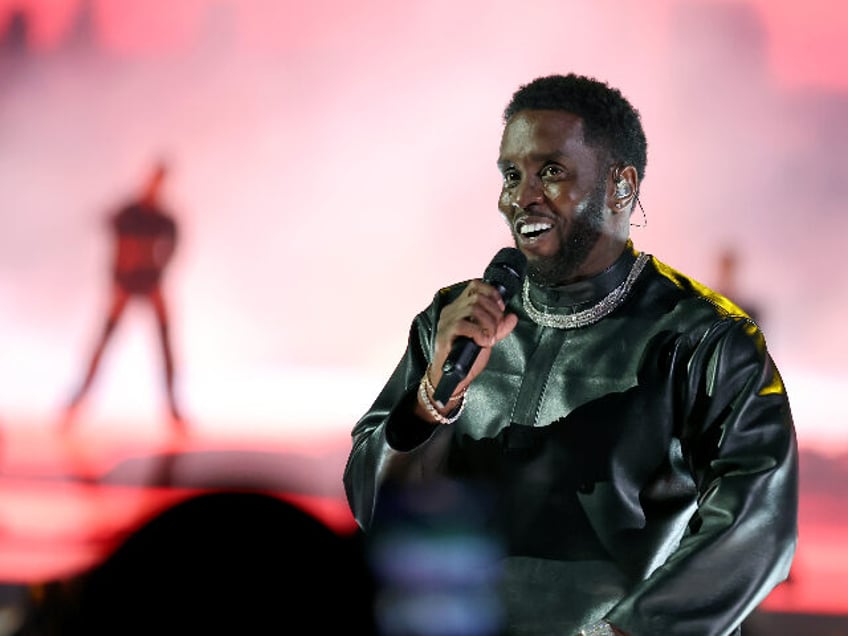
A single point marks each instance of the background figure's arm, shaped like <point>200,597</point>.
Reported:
<point>740,441</point>
<point>164,246</point>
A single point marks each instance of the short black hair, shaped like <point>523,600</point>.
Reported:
<point>610,122</point>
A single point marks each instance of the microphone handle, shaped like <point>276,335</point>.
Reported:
<point>461,358</point>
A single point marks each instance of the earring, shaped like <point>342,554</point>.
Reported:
<point>622,189</point>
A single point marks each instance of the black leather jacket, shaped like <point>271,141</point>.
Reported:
<point>641,469</point>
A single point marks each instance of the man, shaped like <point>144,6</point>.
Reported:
<point>145,237</point>
<point>625,424</point>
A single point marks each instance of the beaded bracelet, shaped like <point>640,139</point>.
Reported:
<point>601,628</point>
<point>431,408</point>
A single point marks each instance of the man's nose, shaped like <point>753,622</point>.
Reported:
<point>528,192</point>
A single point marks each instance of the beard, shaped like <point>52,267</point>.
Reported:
<point>575,242</point>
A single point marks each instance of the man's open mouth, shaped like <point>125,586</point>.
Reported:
<point>531,230</point>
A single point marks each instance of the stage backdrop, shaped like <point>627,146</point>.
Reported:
<point>333,164</point>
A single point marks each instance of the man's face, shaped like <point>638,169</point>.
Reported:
<point>559,185</point>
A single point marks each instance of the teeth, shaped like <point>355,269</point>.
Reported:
<point>532,228</point>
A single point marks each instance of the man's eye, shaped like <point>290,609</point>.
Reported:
<point>552,171</point>
<point>510,178</point>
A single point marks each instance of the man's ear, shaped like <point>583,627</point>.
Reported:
<point>622,187</point>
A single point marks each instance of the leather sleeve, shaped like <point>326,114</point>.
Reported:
<point>740,443</point>
<point>389,442</point>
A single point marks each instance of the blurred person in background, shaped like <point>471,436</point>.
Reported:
<point>728,265</point>
<point>623,428</point>
<point>144,236</point>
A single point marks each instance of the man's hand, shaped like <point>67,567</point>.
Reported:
<point>478,313</point>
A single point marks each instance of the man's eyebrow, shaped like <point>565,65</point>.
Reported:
<point>549,156</point>
<point>537,158</point>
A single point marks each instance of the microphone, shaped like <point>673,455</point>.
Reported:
<point>505,273</point>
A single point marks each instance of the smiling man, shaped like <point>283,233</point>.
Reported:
<point>622,435</point>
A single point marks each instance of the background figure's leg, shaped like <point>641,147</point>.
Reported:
<point>167,355</point>
<point>119,303</point>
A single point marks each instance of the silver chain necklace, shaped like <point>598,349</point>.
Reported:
<point>593,314</point>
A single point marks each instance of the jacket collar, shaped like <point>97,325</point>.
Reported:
<point>579,295</point>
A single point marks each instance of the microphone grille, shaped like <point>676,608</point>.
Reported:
<point>507,271</point>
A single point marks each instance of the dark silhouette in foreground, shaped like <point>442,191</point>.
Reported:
<point>217,563</point>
